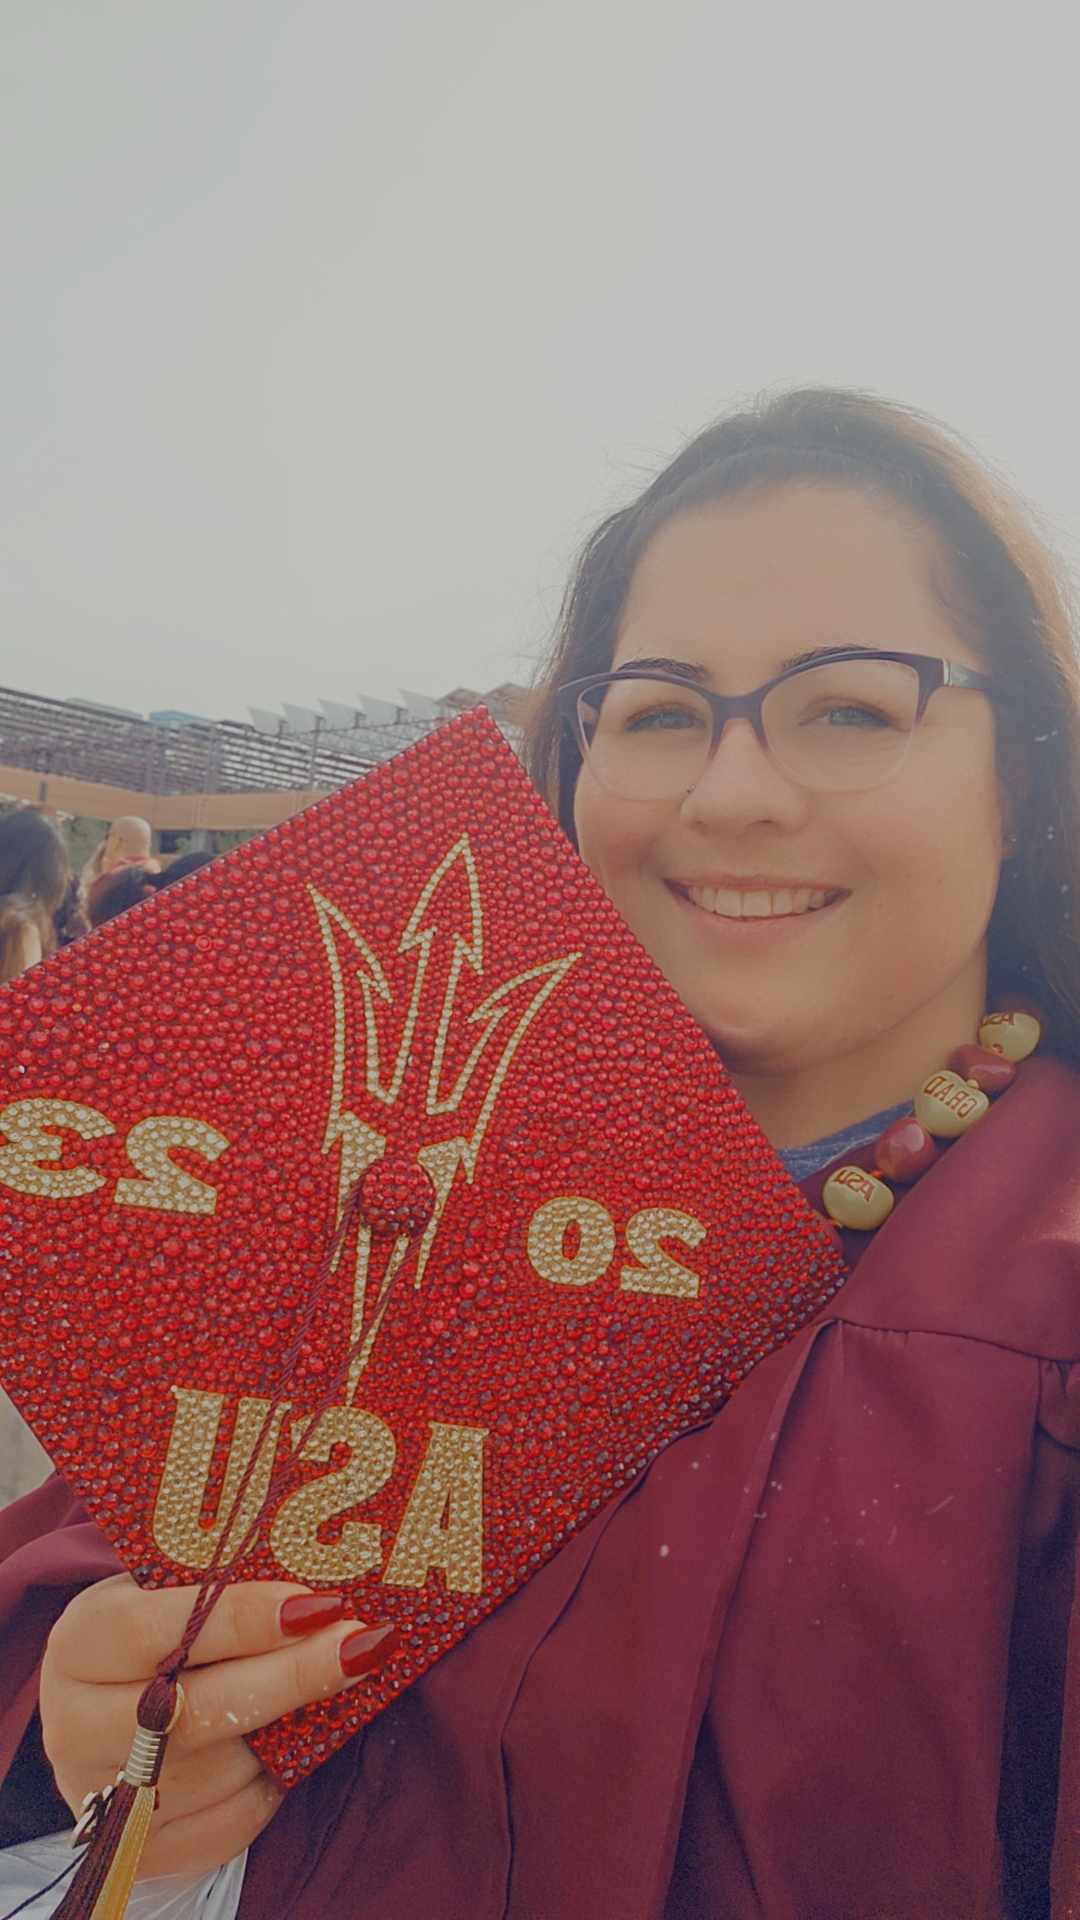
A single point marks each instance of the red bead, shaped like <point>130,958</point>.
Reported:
<point>905,1150</point>
<point>990,1071</point>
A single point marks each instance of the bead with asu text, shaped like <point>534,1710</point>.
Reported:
<point>854,1198</point>
<point>1013,1035</point>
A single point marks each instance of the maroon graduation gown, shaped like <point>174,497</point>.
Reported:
<point>822,1663</point>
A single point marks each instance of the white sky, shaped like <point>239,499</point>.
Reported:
<point>330,328</point>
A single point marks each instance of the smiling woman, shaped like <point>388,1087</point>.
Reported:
<point>812,722</point>
<point>868,690</point>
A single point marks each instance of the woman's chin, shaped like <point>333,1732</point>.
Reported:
<point>746,1046</point>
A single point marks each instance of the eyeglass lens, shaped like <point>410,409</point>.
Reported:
<point>841,725</point>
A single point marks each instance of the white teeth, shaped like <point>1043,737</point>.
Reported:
<point>758,905</point>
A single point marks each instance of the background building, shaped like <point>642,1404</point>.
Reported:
<point>210,782</point>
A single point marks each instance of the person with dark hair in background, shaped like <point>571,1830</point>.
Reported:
<point>35,879</point>
<point>116,892</point>
<point>34,875</point>
<point>179,869</point>
<point>69,920</point>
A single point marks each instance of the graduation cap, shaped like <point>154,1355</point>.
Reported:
<point>404,1047</point>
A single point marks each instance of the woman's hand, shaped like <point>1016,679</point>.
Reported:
<point>267,1648</point>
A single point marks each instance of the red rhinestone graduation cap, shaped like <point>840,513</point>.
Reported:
<point>404,1047</point>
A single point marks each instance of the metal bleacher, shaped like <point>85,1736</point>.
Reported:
<point>181,754</point>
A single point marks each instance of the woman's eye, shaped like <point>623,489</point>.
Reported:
<point>852,716</point>
<point>660,717</point>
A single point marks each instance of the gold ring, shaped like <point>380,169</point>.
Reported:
<point>178,1709</point>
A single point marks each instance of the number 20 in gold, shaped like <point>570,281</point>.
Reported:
<point>593,1229</point>
<point>29,1149</point>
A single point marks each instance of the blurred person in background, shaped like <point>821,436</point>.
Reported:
<point>34,875</point>
<point>128,843</point>
<point>34,880</point>
<point>116,892</point>
<point>69,920</point>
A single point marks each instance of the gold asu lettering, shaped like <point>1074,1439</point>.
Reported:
<point>178,1526</point>
<point>443,1524</point>
<point>294,1534</point>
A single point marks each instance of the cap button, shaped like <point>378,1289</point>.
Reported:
<point>396,1196</point>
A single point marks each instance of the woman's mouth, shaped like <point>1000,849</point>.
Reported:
<point>760,903</point>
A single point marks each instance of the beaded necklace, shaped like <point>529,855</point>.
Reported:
<point>950,1101</point>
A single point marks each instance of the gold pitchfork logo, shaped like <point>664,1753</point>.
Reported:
<point>363,1059</point>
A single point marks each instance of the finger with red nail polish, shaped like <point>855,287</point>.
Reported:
<point>307,1612</point>
<point>366,1650</point>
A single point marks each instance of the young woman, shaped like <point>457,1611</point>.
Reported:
<point>813,723</point>
<point>34,874</point>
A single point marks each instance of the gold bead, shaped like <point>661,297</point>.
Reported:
<point>947,1106</point>
<point>854,1198</point>
<point>1013,1035</point>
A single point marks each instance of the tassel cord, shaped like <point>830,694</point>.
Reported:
<point>219,1573</point>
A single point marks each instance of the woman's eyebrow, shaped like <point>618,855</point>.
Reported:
<point>693,670</point>
<point>822,653</point>
<point>659,663</point>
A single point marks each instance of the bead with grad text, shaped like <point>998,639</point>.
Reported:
<point>947,1106</point>
<point>854,1198</point>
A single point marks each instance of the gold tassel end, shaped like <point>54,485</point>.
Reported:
<point>111,1903</point>
<point>118,1821</point>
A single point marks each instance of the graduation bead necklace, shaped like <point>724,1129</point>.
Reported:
<point>949,1101</point>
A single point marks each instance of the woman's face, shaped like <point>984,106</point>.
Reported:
<point>910,869</point>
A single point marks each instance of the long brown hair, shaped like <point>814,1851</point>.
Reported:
<point>1006,591</point>
<point>34,873</point>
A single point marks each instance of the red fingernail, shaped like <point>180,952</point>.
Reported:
<point>307,1612</point>
<point>364,1651</point>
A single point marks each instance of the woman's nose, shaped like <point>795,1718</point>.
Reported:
<point>742,783</point>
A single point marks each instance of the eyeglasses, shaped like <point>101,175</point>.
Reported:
<point>840,725</point>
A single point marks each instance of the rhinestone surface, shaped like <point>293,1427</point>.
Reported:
<point>576,1241</point>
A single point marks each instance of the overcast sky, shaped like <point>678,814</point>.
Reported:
<point>329,328</point>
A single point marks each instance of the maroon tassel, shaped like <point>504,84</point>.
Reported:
<point>118,1820</point>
